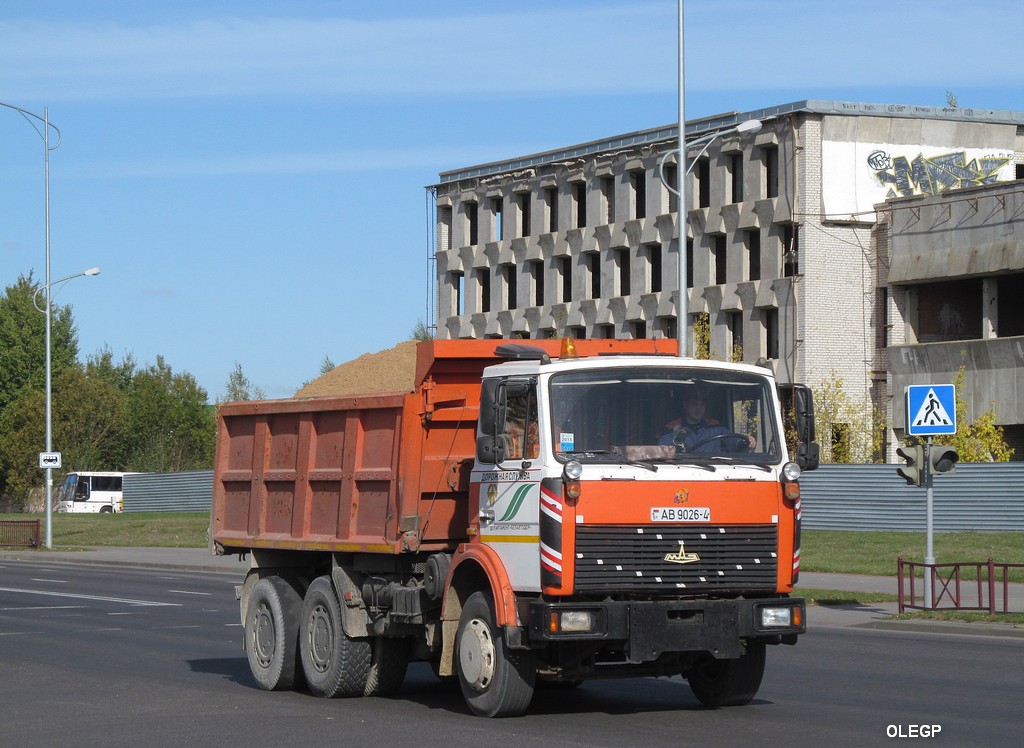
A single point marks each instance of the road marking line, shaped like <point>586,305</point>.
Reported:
<point>98,598</point>
<point>54,581</point>
<point>48,607</point>
<point>187,592</point>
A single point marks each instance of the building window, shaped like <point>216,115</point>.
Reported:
<point>667,327</point>
<point>622,263</point>
<point>754,254</point>
<point>607,199</point>
<point>1010,301</point>
<point>639,329</point>
<point>638,181</point>
<point>736,177</point>
<point>702,172</point>
<point>882,315</point>
<point>949,310</point>
<point>444,227</point>
<point>455,282</point>
<point>790,250</point>
<point>579,199</point>
<point>564,267</point>
<point>537,277</point>
<point>578,332</point>
<point>653,253</point>
<point>551,204</point>
<point>523,198</point>
<point>511,286</point>
<point>594,270</point>
<point>473,222</point>
<point>770,319</point>
<point>718,251</point>
<point>735,322</point>
<point>606,332</point>
<point>483,279</point>
<point>771,170</point>
<point>671,174</point>
<point>689,262</point>
<point>496,205</point>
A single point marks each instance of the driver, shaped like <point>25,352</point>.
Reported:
<point>695,431</point>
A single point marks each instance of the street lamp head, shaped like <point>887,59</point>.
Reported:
<point>750,125</point>
<point>92,271</point>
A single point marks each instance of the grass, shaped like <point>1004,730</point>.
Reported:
<point>134,529</point>
<point>876,553</point>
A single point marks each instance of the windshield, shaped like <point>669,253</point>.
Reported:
<point>663,414</point>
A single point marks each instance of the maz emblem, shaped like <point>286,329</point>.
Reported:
<point>682,557</point>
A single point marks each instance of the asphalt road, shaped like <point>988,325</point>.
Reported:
<point>94,655</point>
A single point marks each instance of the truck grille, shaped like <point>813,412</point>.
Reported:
<point>717,558</point>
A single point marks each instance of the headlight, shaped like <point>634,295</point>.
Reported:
<point>781,616</point>
<point>573,470</point>
<point>790,471</point>
<point>571,621</point>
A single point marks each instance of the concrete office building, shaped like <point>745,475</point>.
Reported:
<point>783,255</point>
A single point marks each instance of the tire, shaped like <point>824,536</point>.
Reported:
<point>729,682</point>
<point>388,666</point>
<point>334,663</point>
<point>495,681</point>
<point>272,634</point>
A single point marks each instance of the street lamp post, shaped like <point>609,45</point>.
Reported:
<point>683,168</point>
<point>47,309</point>
<point>34,120</point>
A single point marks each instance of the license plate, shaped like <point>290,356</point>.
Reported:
<point>680,514</point>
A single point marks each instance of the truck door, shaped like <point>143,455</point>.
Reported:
<point>508,474</point>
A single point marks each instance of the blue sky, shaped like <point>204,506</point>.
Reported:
<point>250,175</point>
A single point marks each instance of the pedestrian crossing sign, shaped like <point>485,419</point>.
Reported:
<point>931,409</point>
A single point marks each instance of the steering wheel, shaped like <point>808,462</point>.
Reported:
<point>740,443</point>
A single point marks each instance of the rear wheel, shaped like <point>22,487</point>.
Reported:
<point>334,663</point>
<point>729,682</point>
<point>272,632</point>
<point>495,681</point>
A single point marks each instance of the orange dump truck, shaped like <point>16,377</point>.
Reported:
<point>550,511</point>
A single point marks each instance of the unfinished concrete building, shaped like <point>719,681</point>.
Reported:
<point>782,255</point>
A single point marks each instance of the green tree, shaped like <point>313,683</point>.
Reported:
<point>23,339</point>
<point>239,387</point>
<point>848,431</point>
<point>980,440</point>
<point>169,425</point>
<point>327,365</point>
<point>88,422</point>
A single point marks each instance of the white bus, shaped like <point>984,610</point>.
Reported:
<point>92,492</point>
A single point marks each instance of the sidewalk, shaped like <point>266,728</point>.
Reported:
<point>871,615</point>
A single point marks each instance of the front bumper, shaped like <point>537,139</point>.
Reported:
<point>644,630</point>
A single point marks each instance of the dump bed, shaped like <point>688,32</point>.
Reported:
<point>385,473</point>
<point>379,472</point>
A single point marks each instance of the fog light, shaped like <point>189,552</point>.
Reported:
<point>576,621</point>
<point>777,617</point>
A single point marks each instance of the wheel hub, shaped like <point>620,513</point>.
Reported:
<point>321,639</point>
<point>476,655</point>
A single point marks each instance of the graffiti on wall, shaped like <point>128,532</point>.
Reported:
<point>931,175</point>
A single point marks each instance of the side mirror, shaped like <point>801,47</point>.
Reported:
<point>808,456</point>
<point>490,449</point>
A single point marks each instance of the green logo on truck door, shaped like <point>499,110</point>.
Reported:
<point>517,502</point>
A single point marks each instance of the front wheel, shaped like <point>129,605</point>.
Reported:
<point>334,663</point>
<point>495,681</point>
<point>729,682</point>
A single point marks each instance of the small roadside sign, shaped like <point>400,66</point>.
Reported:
<point>49,460</point>
<point>931,409</point>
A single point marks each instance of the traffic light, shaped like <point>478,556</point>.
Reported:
<point>913,471</point>
<point>943,459</point>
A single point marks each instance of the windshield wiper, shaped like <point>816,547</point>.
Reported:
<point>740,461</point>
<point>617,458</point>
<point>688,459</point>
